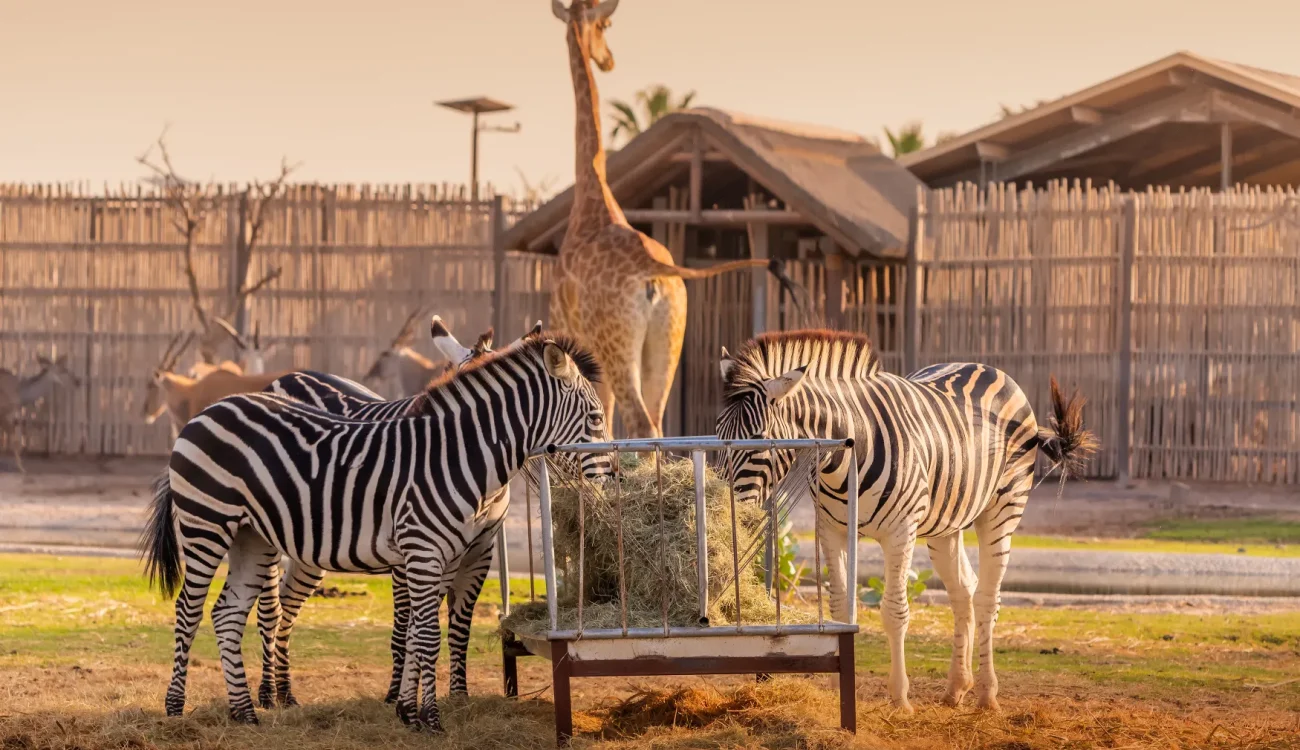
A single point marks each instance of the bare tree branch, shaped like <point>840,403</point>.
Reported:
<point>253,288</point>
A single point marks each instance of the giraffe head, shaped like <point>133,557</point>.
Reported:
<point>588,20</point>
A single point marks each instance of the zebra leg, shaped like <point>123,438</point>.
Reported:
<point>834,544</point>
<point>949,558</point>
<point>461,599</point>
<point>401,622</point>
<point>419,673</point>
<point>300,582</point>
<point>268,623</point>
<point>250,559</point>
<point>895,611</point>
<point>204,547</point>
<point>994,528</point>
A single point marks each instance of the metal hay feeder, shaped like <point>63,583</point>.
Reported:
<point>759,647</point>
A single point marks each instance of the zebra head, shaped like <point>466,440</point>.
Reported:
<point>756,408</point>
<point>572,409</point>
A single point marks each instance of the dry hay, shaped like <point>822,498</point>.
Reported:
<point>659,562</point>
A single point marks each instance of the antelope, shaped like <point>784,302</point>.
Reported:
<point>17,392</point>
<point>399,361</point>
<point>182,396</point>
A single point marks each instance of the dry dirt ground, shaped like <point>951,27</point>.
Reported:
<point>85,652</point>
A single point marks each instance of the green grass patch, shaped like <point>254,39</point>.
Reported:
<point>1232,531</point>
<point>1149,544</point>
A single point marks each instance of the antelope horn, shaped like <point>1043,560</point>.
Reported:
<point>230,330</point>
<point>405,333</point>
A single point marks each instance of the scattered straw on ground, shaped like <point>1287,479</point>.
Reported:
<point>659,561</point>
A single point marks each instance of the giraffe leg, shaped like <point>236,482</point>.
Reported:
<point>622,362</point>
<point>662,350</point>
<point>954,568</point>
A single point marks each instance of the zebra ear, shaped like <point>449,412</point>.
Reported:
<point>559,364</point>
<point>446,343</point>
<point>727,363</point>
<point>779,388</point>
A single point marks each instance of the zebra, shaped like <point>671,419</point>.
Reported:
<point>257,476</point>
<point>278,607</point>
<point>949,447</point>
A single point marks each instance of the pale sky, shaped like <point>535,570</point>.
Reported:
<point>347,88</point>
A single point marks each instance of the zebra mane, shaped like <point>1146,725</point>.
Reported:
<point>827,355</point>
<point>524,350</point>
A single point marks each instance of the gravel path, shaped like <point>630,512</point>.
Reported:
<point>102,505</point>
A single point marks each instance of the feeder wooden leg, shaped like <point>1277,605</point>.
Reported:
<point>560,669</point>
<point>848,686</point>
<point>509,667</point>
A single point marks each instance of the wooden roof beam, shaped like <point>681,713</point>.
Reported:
<point>1227,107</point>
<point>1085,115</point>
<point>1268,163</point>
<point>709,156</point>
<point>1192,105</point>
<point>991,152</point>
<point>1188,167</point>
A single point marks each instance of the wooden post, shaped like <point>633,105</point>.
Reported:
<point>500,281</point>
<point>758,280</point>
<point>1124,376</point>
<point>911,292</point>
<point>697,176</point>
<point>560,668</point>
<point>848,683</point>
<point>1225,157</point>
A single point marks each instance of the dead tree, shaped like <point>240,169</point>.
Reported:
<point>192,202</point>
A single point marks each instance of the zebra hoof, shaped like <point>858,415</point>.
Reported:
<point>428,721</point>
<point>405,712</point>
<point>266,697</point>
<point>244,716</point>
<point>286,700</point>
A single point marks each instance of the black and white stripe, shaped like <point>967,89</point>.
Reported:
<point>258,476</point>
<point>278,608</point>
<point>947,448</point>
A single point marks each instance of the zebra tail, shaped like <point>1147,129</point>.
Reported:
<point>1067,443</point>
<point>158,544</point>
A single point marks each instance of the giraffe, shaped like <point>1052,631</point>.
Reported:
<point>615,288</point>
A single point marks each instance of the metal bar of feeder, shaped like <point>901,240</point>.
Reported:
<point>817,542</point>
<point>503,567</point>
<point>701,536</point>
<point>709,632</point>
<point>663,569</point>
<point>689,444</point>
<point>622,573</point>
<point>528,527</point>
<point>582,548</point>
<point>774,574</point>
<point>548,544</point>
<point>852,523</point>
<point>735,551</point>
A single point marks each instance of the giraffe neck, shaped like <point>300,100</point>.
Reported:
<point>593,203</point>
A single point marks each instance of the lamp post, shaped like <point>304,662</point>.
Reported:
<point>475,107</point>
